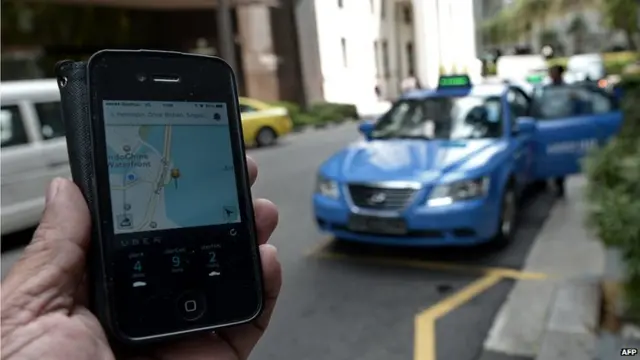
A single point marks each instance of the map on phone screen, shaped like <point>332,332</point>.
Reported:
<point>170,165</point>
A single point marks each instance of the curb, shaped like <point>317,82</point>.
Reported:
<point>571,329</point>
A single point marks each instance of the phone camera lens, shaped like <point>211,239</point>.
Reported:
<point>141,77</point>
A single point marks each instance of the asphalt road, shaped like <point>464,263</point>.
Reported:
<point>360,302</point>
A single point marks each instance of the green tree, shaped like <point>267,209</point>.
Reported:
<point>578,30</point>
<point>551,38</point>
<point>622,15</point>
<point>508,29</point>
<point>524,16</point>
<point>529,13</point>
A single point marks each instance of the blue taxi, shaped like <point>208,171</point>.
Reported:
<point>447,166</point>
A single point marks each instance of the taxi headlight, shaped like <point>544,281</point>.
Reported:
<point>326,187</point>
<point>446,194</point>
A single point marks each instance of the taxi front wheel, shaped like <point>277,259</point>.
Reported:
<point>508,218</point>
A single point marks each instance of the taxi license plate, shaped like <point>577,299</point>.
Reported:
<point>377,225</point>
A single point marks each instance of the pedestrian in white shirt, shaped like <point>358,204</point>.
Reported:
<point>410,83</point>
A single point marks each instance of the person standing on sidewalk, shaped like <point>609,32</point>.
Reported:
<point>556,73</point>
<point>410,83</point>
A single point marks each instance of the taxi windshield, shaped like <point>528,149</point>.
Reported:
<point>453,118</point>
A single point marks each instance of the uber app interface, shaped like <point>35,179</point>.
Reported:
<point>170,165</point>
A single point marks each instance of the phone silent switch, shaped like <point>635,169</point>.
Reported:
<point>191,305</point>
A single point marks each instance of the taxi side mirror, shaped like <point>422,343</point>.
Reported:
<point>524,125</point>
<point>366,128</point>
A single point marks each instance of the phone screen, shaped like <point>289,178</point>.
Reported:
<point>176,227</point>
<point>170,165</point>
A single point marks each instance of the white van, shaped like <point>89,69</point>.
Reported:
<point>518,67</point>
<point>33,149</point>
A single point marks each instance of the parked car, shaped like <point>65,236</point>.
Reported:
<point>588,68</point>
<point>33,149</point>
<point>518,67</point>
<point>447,167</point>
<point>262,123</point>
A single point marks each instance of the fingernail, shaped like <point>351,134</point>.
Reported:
<point>52,190</point>
<point>273,248</point>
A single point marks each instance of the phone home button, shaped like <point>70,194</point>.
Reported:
<point>191,305</point>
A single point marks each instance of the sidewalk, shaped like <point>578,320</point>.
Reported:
<point>540,319</point>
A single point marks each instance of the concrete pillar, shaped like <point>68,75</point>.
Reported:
<point>445,36</point>
<point>259,60</point>
<point>309,50</point>
<point>427,42</point>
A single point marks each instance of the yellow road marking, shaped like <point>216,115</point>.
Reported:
<point>425,322</point>
<point>436,265</point>
<point>318,248</point>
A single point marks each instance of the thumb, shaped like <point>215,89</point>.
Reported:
<point>53,264</point>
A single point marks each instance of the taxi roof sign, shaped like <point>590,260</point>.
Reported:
<point>454,81</point>
<point>535,78</point>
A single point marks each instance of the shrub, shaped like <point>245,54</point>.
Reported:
<point>349,111</point>
<point>292,108</point>
<point>298,118</point>
<point>613,192</point>
<point>630,89</point>
<point>614,198</point>
<point>319,113</point>
<point>304,119</point>
<point>332,112</point>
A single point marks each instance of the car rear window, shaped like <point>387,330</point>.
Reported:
<point>12,131</point>
<point>50,116</point>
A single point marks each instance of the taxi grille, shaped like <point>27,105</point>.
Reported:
<point>371,197</point>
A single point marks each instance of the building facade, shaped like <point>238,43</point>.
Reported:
<point>304,51</point>
<point>264,33</point>
<point>350,47</point>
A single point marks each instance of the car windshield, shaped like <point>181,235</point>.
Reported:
<point>468,117</point>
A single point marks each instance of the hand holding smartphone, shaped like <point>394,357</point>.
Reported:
<point>174,248</point>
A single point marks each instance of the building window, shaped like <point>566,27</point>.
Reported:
<point>340,4</point>
<point>385,58</point>
<point>383,9</point>
<point>375,56</point>
<point>50,116</point>
<point>407,15</point>
<point>343,42</point>
<point>410,58</point>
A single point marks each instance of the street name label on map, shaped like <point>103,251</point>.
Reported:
<point>129,161</point>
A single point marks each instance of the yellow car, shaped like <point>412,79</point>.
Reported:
<point>263,124</point>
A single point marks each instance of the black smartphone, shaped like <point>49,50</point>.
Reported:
<point>178,249</point>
